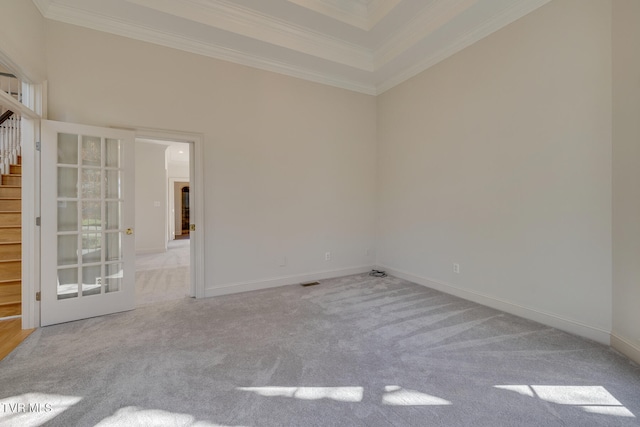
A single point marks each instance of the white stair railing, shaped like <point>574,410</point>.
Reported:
<point>10,147</point>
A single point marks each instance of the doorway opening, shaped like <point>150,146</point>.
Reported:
<point>163,205</point>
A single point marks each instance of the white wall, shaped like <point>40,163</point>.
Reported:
<point>626,177</point>
<point>178,169</point>
<point>289,164</point>
<point>22,39</point>
<point>151,198</point>
<point>499,159</point>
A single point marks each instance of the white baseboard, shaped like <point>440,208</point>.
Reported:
<point>626,347</point>
<point>145,251</point>
<point>234,288</point>
<point>553,320</point>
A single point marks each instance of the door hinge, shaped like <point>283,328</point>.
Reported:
<point>38,145</point>
<point>38,296</point>
<point>38,221</point>
<point>193,227</point>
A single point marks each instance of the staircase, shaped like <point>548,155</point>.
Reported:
<point>10,241</point>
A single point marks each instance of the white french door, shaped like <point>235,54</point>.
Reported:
<point>88,247</point>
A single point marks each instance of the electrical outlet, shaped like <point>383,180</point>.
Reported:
<point>456,267</point>
<point>327,256</point>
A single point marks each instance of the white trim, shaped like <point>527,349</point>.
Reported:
<point>16,106</point>
<point>254,285</point>
<point>430,19</point>
<point>515,11</point>
<point>30,232</point>
<point>196,184</point>
<point>626,347</point>
<point>264,28</point>
<point>250,23</point>
<point>149,35</point>
<point>568,325</point>
<point>357,14</point>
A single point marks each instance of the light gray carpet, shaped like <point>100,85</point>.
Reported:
<point>353,351</point>
<point>163,276</point>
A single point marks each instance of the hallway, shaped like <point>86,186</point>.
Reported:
<point>163,276</point>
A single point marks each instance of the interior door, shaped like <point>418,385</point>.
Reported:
<point>88,247</point>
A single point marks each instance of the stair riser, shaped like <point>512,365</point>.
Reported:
<point>11,310</point>
<point>10,235</point>
<point>10,205</point>
<point>11,288</point>
<point>10,218</point>
<point>13,192</point>
<point>10,300</point>
<point>15,169</point>
<point>10,252</point>
<point>11,270</point>
<point>11,180</point>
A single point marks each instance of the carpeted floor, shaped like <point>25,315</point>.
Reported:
<point>352,351</point>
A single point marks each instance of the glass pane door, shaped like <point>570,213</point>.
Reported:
<point>91,196</point>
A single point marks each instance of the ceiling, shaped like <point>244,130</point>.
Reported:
<point>367,46</point>
<point>177,152</point>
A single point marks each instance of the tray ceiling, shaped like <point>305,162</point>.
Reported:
<point>367,46</point>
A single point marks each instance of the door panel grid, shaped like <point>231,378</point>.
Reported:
<point>88,183</point>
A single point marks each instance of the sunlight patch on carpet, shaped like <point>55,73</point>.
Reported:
<point>592,399</point>
<point>34,409</point>
<point>398,396</point>
<point>341,394</point>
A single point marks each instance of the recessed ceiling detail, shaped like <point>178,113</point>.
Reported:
<point>367,46</point>
<point>363,14</point>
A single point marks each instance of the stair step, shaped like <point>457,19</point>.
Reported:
<point>15,169</point>
<point>12,191</point>
<point>10,218</point>
<point>10,234</point>
<point>10,287</point>
<point>11,310</point>
<point>10,270</point>
<point>10,251</point>
<point>10,299</point>
<point>15,180</point>
<point>10,204</point>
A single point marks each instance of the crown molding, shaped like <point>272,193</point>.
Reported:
<point>430,19</point>
<point>247,22</point>
<point>378,9</point>
<point>231,17</point>
<point>125,29</point>
<point>363,14</point>
<point>510,14</point>
<point>43,6</point>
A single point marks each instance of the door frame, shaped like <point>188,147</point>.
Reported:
<point>30,128</point>
<point>196,182</point>
<point>171,204</point>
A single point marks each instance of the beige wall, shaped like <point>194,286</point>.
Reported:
<point>499,159</point>
<point>626,177</point>
<point>289,164</point>
<point>22,39</point>
<point>151,198</point>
